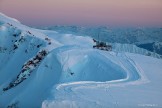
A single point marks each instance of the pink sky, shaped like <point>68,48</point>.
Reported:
<point>85,12</point>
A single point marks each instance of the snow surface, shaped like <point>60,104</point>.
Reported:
<point>73,74</point>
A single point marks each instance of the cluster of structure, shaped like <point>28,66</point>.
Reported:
<point>102,45</point>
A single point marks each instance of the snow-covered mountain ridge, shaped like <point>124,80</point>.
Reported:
<point>42,68</point>
<point>143,37</point>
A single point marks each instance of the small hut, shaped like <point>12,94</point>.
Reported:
<point>102,45</point>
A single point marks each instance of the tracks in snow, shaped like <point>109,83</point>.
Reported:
<point>73,89</point>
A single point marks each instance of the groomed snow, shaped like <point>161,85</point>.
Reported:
<point>73,74</point>
<point>144,92</point>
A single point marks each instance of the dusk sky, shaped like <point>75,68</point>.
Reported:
<point>85,12</point>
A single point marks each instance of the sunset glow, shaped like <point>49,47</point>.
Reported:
<point>85,12</point>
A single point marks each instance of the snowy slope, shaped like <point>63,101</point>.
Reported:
<point>42,68</point>
<point>144,92</point>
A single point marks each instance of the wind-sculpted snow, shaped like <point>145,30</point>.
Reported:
<point>79,64</point>
<point>41,68</point>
